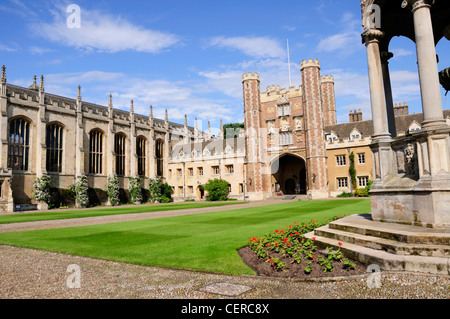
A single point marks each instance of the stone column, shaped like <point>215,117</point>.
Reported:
<point>166,146</point>
<point>151,147</point>
<point>79,147</point>
<point>41,124</point>
<point>3,121</point>
<point>377,93</point>
<point>133,157</point>
<point>427,63</point>
<point>110,158</point>
<point>385,56</point>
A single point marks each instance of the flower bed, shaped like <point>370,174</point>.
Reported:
<point>288,253</point>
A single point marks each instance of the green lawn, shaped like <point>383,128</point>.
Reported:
<point>206,242</point>
<point>55,214</point>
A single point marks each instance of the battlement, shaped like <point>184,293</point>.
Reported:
<point>274,92</point>
<point>250,76</point>
<point>309,63</point>
<point>327,79</point>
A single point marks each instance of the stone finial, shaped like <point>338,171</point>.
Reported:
<point>132,106</point>
<point>3,74</point>
<point>185,120</point>
<point>41,86</point>
<point>151,111</point>
<point>167,116</point>
<point>34,86</point>
<point>79,93</point>
<point>110,102</point>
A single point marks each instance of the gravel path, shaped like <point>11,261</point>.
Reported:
<point>30,274</point>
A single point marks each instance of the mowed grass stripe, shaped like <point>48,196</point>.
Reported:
<point>54,215</point>
<point>205,242</point>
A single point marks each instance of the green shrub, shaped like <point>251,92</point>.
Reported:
<point>166,193</point>
<point>42,189</point>
<point>217,189</point>
<point>113,191</point>
<point>345,194</point>
<point>135,190</point>
<point>154,189</point>
<point>80,190</point>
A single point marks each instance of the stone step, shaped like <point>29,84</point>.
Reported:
<point>363,225</point>
<point>387,245</point>
<point>386,261</point>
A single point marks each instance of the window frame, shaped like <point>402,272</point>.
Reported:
<point>19,146</point>
<point>54,144</point>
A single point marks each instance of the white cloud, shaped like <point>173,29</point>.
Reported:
<point>401,52</point>
<point>346,42</point>
<point>257,47</point>
<point>7,48</point>
<point>38,50</point>
<point>104,33</point>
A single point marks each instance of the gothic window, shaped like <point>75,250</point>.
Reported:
<point>119,150</point>
<point>95,152</point>
<point>286,138</point>
<point>284,110</point>
<point>159,151</point>
<point>54,143</point>
<point>19,145</point>
<point>140,152</point>
<point>215,170</point>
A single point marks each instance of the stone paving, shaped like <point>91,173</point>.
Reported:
<point>29,274</point>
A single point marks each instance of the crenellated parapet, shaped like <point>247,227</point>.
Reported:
<point>309,63</point>
<point>250,76</point>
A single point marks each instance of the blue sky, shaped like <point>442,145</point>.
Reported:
<point>189,56</point>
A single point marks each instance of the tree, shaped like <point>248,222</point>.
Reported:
<point>217,189</point>
<point>232,128</point>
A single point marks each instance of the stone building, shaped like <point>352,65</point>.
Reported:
<point>291,144</point>
<point>42,133</point>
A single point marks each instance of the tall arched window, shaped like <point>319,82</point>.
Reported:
<point>19,144</point>
<point>140,152</point>
<point>95,152</point>
<point>54,143</point>
<point>159,151</point>
<point>119,150</point>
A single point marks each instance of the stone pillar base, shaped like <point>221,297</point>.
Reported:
<point>424,203</point>
<point>42,206</point>
<point>318,194</point>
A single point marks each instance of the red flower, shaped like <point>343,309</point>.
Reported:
<point>313,256</point>
<point>276,230</point>
<point>268,245</point>
<point>271,260</point>
<point>339,243</point>
<point>314,238</point>
<point>276,244</point>
<point>292,235</point>
<point>297,233</point>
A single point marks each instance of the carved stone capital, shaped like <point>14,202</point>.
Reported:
<point>417,4</point>
<point>372,35</point>
<point>386,56</point>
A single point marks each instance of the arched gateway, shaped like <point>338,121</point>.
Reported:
<point>289,175</point>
